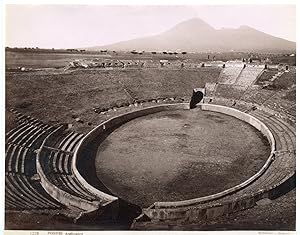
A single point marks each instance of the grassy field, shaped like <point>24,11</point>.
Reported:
<point>32,59</point>
<point>291,95</point>
<point>283,82</point>
<point>266,76</point>
<point>286,80</point>
<point>58,97</point>
<point>42,60</point>
<point>57,59</point>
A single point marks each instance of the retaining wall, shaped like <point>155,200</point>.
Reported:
<point>189,212</point>
<point>61,196</point>
<point>202,212</point>
<point>260,126</point>
<point>193,209</point>
<point>121,119</point>
<point>106,126</point>
<point>246,118</point>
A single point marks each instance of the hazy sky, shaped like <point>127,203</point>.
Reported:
<point>71,26</point>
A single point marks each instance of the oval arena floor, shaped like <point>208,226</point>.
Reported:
<point>179,155</point>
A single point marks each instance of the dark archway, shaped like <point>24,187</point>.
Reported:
<point>196,98</point>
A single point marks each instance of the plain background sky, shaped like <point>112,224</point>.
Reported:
<point>68,26</point>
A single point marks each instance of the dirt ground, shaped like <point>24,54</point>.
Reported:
<point>179,155</point>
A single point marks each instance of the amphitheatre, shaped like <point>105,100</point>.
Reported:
<point>109,142</point>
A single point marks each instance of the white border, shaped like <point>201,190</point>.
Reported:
<point>120,2</point>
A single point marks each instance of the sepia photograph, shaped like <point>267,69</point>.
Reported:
<point>149,118</point>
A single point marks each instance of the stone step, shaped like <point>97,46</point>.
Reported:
<point>63,182</point>
<point>44,196</point>
<point>15,130</point>
<point>31,194</point>
<point>20,129</point>
<point>19,193</point>
<point>24,135</point>
<point>284,128</point>
<point>77,186</point>
<point>11,197</point>
<point>69,141</point>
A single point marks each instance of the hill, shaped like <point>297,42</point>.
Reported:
<point>195,35</point>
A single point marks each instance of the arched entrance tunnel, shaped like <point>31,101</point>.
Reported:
<point>197,97</point>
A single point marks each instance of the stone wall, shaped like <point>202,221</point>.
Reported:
<point>61,196</point>
<point>106,126</point>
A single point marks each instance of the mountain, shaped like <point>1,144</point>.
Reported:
<point>195,35</point>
